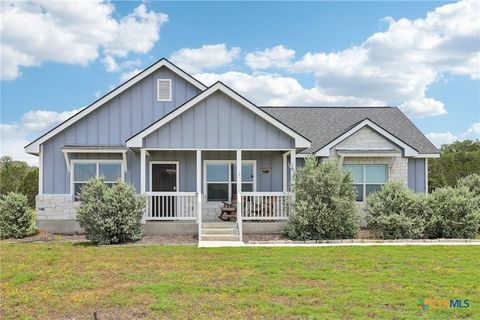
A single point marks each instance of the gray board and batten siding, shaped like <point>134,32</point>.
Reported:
<point>219,122</point>
<point>112,124</point>
<point>267,180</point>
<point>417,175</point>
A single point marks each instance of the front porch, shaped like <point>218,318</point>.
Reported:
<point>191,186</point>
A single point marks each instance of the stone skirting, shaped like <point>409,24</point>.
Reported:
<point>64,226</point>
<point>55,207</point>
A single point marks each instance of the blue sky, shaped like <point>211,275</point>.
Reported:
<point>421,56</point>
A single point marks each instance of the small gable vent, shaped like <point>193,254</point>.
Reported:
<point>164,90</point>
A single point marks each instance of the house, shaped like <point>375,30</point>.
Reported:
<point>178,142</point>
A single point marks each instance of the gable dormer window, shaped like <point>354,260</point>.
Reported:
<point>164,90</point>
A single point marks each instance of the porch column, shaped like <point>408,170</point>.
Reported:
<point>239,194</point>
<point>426,175</point>
<point>285,171</point>
<point>143,173</point>
<point>40,171</point>
<point>199,192</point>
<point>293,166</point>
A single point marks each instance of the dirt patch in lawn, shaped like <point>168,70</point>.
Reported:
<point>263,237</point>
<point>43,236</point>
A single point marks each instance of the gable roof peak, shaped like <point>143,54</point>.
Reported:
<point>34,146</point>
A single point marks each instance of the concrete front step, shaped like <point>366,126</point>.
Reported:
<point>220,237</point>
<point>219,225</point>
<point>218,244</point>
<point>218,231</point>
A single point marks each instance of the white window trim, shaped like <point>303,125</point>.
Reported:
<point>151,163</point>
<point>72,163</point>
<point>364,183</point>
<point>229,182</point>
<point>170,88</point>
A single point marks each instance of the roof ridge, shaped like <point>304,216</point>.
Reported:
<point>332,107</point>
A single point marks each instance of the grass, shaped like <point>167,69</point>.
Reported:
<point>65,280</point>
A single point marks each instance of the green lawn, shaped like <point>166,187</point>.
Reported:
<point>64,280</point>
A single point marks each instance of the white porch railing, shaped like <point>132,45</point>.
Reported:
<point>171,206</point>
<point>266,205</point>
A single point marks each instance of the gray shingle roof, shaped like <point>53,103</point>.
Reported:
<point>323,124</point>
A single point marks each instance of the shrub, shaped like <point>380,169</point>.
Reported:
<point>396,212</point>
<point>472,183</point>
<point>17,219</point>
<point>454,213</point>
<point>110,214</point>
<point>325,205</point>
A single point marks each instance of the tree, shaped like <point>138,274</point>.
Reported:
<point>18,176</point>
<point>325,206</point>
<point>457,160</point>
<point>396,212</point>
<point>17,219</point>
<point>110,214</point>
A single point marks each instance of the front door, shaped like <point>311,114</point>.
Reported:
<point>164,179</point>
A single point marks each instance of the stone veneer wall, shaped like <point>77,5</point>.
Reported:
<point>61,207</point>
<point>368,138</point>
<point>55,207</point>
<point>210,209</point>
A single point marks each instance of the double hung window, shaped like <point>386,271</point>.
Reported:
<point>86,170</point>
<point>221,182</point>
<point>367,178</point>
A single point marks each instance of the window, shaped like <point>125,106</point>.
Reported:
<point>164,90</point>
<point>367,178</point>
<point>221,177</point>
<point>86,170</point>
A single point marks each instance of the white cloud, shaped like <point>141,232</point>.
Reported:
<point>473,132</point>
<point>129,74</point>
<point>41,120</point>
<point>439,138</point>
<point>423,108</point>
<point>392,67</point>
<point>399,64</point>
<point>13,147</point>
<point>14,136</point>
<point>110,63</point>
<point>39,31</point>
<point>208,56</point>
<point>276,57</point>
<point>270,89</point>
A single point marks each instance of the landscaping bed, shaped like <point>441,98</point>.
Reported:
<point>75,238</point>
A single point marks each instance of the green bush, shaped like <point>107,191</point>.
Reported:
<point>325,205</point>
<point>396,212</point>
<point>110,214</point>
<point>454,213</point>
<point>17,219</point>
<point>472,183</point>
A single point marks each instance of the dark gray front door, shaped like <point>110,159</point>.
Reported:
<point>164,177</point>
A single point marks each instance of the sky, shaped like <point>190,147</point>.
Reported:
<point>424,57</point>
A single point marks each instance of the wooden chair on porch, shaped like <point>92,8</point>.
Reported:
<point>229,210</point>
